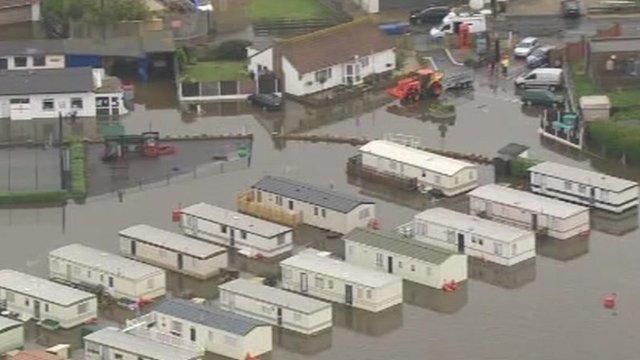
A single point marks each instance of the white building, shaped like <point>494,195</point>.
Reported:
<point>118,276</point>
<point>225,227</point>
<point>275,306</point>
<point>216,330</point>
<point>172,251</point>
<point>410,259</point>
<point>36,94</point>
<point>116,344</point>
<point>431,171</point>
<point>11,334</point>
<point>554,218</point>
<point>32,54</point>
<point>471,235</point>
<point>19,11</point>
<point>36,298</point>
<point>584,187</point>
<point>315,206</point>
<point>345,54</point>
<point>316,274</point>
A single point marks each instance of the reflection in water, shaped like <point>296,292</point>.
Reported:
<point>410,199</point>
<point>115,313</point>
<point>320,239</point>
<point>35,334</point>
<point>614,224</point>
<point>435,299</point>
<point>264,267</point>
<point>508,277</point>
<point>188,287</point>
<point>301,343</point>
<point>563,250</point>
<point>366,322</point>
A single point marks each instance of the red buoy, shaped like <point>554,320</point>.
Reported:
<point>609,301</point>
<point>176,214</point>
<point>374,224</point>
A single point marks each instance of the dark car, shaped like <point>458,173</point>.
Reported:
<point>540,56</point>
<point>430,15</point>
<point>571,8</point>
<point>269,102</point>
<point>542,97</point>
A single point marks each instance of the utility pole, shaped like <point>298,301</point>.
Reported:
<point>60,151</point>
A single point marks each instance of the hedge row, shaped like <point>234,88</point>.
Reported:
<point>617,139</point>
<point>519,166</point>
<point>33,197</point>
<point>78,189</point>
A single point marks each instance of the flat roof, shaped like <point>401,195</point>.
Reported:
<point>276,296</point>
<point>46,81</point>
<point>526,200</point>
<point>582,176</point>
<point>236,220</point>
<point>209,316</point>
<point>415,157</point>
<point>155,350</point>
<point>399,244</point>
<point>8,324</point>
<point>172,241</point>
<point>31,47</point>
<point>513,149</point>
<point>311,194</point>
<point>41,288</point>
<point>473,224</point>
<point>311,260</point>
<point>105,261</point>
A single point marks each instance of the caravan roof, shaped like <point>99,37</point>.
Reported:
<point>172,241</point>
<point>120,340</point>
<point>581,176</point>
<point>40,288</point>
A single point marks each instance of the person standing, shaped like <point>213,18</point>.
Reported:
<point>505,65</point>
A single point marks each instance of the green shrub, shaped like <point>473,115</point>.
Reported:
<point>78,189</point>
<point>518,167</point>
<point>33,197</point>
<point>232,50</point>
<point>617,139</point>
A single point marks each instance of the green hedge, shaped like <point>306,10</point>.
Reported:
<point>33,197</point>
<point>78,189</point>
<point>519,166</point>
<point>617,139</point>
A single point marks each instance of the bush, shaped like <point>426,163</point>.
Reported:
<point>33,197</point>
<point>78,190</point>
<point>617,139</point>
<point>518,167</point>
<point>232,50</point>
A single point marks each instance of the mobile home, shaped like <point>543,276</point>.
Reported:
<point>554,218</point>
<point>314,273</point>
<point>499,243</point>
<point>431,171</point>
<point>275,306</point>
<point>277,197</point>
<point>36,298</point>
<point>410,259</point>
<point>118,276</point>
<point>584,187</point>
<point>225,227</point>
<point>11,335</point>
<point>173,251</point>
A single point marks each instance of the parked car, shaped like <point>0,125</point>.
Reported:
<point>549,78</point>
<point>542,97</point>
<point>526,46</point>
<point>540,56</point>
<point>571,8</point>
<point>269,102</point>
<point>451,24</point>
<point>430,15</point>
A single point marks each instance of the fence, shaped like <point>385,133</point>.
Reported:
<point>292,26</point>
<point>215,90</point>
<point>247,204</point>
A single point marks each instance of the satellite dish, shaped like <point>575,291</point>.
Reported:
<point>476,4</point>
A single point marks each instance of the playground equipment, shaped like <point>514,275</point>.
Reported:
<point>147,144</point>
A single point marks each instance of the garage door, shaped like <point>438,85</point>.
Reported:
<point>15,15</point>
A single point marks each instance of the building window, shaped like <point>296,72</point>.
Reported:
<point>437,179</point>
<point>497,249</point>
<point>83,308</point>
<point>379,260</point>
<point>76,103</point>
<point>88,274</point>
<point>413,267</point>
<point>363,214</point>
<point>46,307</point>
<point>118,356</point>
<point>10,296</point>
<point>290,204</point>
<point>323,212</point>
<point>39,61</point>
<point>93,348</point>
<point>582,188</point>
<point>278,200</point>
<point>19,61</point>
<point>48,105</point>
<point>480,242</point>
<point>223,229</point>
<point>315,210</point>
<point>243,234</point>
<point>473,239</point>
<point>323,75</point>
<point>26,302</point>
<point>421,228</point>
<point>368,294</point>
<point>319,282</point>
<point>102,102</point>
<point>567,185</point>
<point>281,239</point>
<point>364,62</point>
<point>330,284</point>
<point>359,293</point>
<point>192,334</point>
<point>399,264</point>
<point>19,101</point>
<point>176,328</point>
<point>110,281</point>
<point>424,173</point>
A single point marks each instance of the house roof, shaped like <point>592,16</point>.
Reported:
<point>34,355</point>
<point>415,157</point>
<point>40,288</point>
<point>16,3</point>
<point>310,194</point>
<point>32,47</point>
<point>107,262</point>
<point>513,149</point>
<point>335,45</point>
<point>275,296</point>
<point>399,244</point>
<point>582,176</point>
<point>172,241</point>
<point>46,81</point>
<point>614,44</point>
<point>209,316</point>
<point>8,324</point>
<point>151,349</point>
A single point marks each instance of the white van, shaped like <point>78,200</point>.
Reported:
<point>550,78</point>
<point>450,25</point>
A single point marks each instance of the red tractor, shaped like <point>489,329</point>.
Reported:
<point>424,83</point>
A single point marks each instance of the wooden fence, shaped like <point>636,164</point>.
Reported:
<point>292,26</point>
<point>247,204</point>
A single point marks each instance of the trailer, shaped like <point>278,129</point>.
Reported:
<point>460,80</point>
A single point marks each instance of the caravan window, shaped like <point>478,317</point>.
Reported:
<point>379,260</point>
<point>497,249</point>
<point>567,185</point>
<point>11,297</point>
<point>83,308</point>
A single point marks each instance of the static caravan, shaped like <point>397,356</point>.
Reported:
<point>172,251</point>
<point>115,344</point>
<point>216,330</point>
<point>410,259</point>
<point>40,299</point>
<point>225,227</point>
<point>554,218</point>
<point>431,171</point>
<point>312,205</point>
<point>584,187</point>
<point>275,306</point>
<point>474,236</point>
<point>314,273</point>
<point>118,276</point>
<point>11,335</point>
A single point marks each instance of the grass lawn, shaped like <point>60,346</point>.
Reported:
<point>215,71</point>
<point>287,9</point>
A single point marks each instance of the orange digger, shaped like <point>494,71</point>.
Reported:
<point>424,83</point>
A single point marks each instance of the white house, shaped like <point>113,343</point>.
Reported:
<point>431,171</point>
<point>45,93</point>
<point>36,298</point>
<point>115,344</point>
<point>274,196</point>
<point>32,54</point>
<point>410,259</point>
<point>18,11</point>
<point>172,251</point>
<point>314,273</point>
<point>584,187</point>
<point>555,218</point>
<point>471,235</point>
<point>213,329</point>
<point>225,227</point>
<point>345,54</point>
<point>118,276</point>
<point>11,334</point>
<point>275,306</point>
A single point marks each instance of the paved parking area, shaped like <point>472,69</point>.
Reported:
<point>26,169</point>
